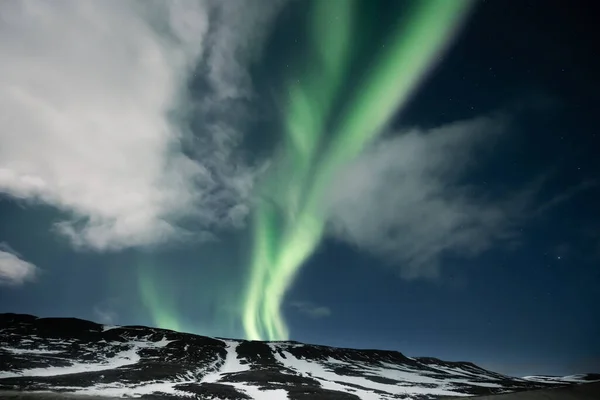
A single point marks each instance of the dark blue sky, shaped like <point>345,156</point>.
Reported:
<point>527,301</point>
<point>522,306</point>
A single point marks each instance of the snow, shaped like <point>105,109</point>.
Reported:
<point>475,383</point>
<point>230,365</point>
<point>472,373</point>
<point>128,356</point>
<point>161,343</point>
<point>31,351</point>
<point>214,375</point>
<point>258,394</point>
<point>557,379</point>
<point>448,370</point>
<point>574,378</point>
<point>423,377</point>
<point>330,380</point>
<point>129,390</point>
<point>395,372</point>
<point>109,327</point>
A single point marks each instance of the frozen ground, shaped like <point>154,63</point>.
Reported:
<point>79,357</point>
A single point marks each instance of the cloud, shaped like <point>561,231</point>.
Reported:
<point>406,198</point>
<point>13,269</point>
<point>311,310</point>
<point>562,197</point>
<point>87,121</point>
<point>105,311</point>
<point>237,43</point>
<point>105,316</point>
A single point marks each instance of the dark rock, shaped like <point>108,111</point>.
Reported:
<point>70,356</point>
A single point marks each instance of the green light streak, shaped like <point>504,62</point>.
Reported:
<point>405,63</point>
<point>288,229</point>
<point>281,244</point>
<point>157,300</point>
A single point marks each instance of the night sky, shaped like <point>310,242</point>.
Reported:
<point>420,176</point>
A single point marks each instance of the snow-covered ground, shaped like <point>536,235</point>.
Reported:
<point>581,378</point>
<point>331,380</point>
<point>232,365</point>
<point>128,355</point>
<point>90,359</point>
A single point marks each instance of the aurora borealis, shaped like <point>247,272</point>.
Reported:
<point>413,175</point>
<point>289,226</point>
<point>290,214</point>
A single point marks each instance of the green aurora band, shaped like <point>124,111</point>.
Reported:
<point>289,223</point>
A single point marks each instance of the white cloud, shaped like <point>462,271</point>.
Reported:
<point>106,311</point>
<point>85,96</point>
<point>13,269</point>
<point>311,310</point>
<point>404,198</point>
<point>235,44</point>
<point>105,316</point>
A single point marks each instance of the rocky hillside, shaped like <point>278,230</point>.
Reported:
<point>82,357</point>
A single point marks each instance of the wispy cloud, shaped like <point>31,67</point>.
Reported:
<point>87,123</point>
<point>105,316</point>
<point>235,43</point>
<point>407,199</point>
<point>311,310</point>
<point>13,269</point>
<point>560,198</point>
<point>106,311</point>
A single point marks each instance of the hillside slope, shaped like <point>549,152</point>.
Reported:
<point>82,357</point>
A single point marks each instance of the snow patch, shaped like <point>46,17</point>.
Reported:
<point>109,327</point>
<point>557,379</point>
<point>230,365</point>
<point>127,357</point>
<point>123,358</point>
<point>31,351</point>
<point>259,394</point>
<point>330,380</point>
<point>120,390</point>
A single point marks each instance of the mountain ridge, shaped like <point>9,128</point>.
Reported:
<point>73,355</point>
